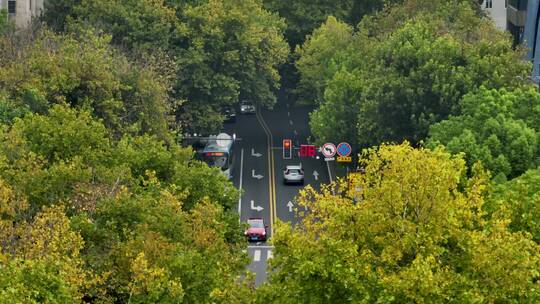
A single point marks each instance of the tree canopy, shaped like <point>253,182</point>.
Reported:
<point>411,229</point>
<point>402,70</point>
<point>43,68</point>
<point>497,127</point>
<point>221,50</point>
<point>111,220</point>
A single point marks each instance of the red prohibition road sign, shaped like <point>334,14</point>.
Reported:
<point>328,150</point>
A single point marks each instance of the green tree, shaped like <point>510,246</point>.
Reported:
<point>231,50</point>
<point>85,72</point>
<point>146,247</point>
<point>409,230</point>
<point>145,24</point>
<point>222,50</point>
<point>496,127</point>
<point>39,256</point>
<point>303,16</point>
<point>521,198</point>
<point>319,56</point>
<point>136,219</point>
<point>56,13</point>
<point>416,67</point>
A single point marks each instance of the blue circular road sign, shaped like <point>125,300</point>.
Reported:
<point>344,149</point>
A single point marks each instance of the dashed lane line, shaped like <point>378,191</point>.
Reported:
<point>257,255</point>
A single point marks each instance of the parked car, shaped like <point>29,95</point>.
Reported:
<point>256,230</point>
<point>293,175</point>
<point>247,107</point>
<point>229,113</point>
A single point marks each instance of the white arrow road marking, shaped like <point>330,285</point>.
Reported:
<point>253,207</point>
<point>316,174</point>
<point>257,176</point>
<point>255,154</point>
<point>290,205</point>
<point>257,255</point>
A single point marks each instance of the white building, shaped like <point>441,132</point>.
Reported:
<point>496,9</point>
<point>22,11</point>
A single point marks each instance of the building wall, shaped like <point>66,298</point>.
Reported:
<point>25,10</point>
<point>531,35</point>
<point>497,12</point>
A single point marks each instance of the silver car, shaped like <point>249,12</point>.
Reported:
<point>293,174</point>
<point>247,107</point>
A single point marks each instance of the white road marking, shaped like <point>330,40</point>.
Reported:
<point>256,255</point>
<point>253,207</point>
<point>270,255</point>
<point>295,132</point>
<point>316,174</point>
<point>240,186</point>
<point>290,122</point>
<point>257,176</point>
<point>290,205</point>
<point>260,247</point>
<point>255,154</point>
<point>288,113</point>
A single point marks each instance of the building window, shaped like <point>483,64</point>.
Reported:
<point>489,3</point>
<point>12,7</point>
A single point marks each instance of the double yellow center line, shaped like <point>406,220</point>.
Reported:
<point>271,172</point>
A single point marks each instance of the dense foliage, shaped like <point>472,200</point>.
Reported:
<point>497,127</point>
<point>520,197</point>
<point>111,220</point>
<point>43,68</point>
<point>410,230</point>
<point>303,16</point>
<point>221,51</point>
<point>402,70</point>
<point>99,204</point>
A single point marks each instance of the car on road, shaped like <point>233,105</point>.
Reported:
<point>256,230</point>
<point>247,107</point>
<point>293,175</point>
<point>229,113</point>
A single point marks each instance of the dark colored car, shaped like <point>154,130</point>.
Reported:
<point>230,114</point>
<point>256,230</point>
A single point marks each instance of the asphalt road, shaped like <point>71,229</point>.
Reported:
<point>258,170</point>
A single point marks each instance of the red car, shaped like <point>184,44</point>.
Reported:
<point>256,230</point>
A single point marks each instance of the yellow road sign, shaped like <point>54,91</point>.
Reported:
<point>344,159</point>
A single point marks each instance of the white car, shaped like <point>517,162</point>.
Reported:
<point>293,174</point>
<point>247,107</point>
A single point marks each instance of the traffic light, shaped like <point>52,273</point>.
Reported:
<point>287,149</point>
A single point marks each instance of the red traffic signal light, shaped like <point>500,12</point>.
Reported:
<point>287,149</point>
